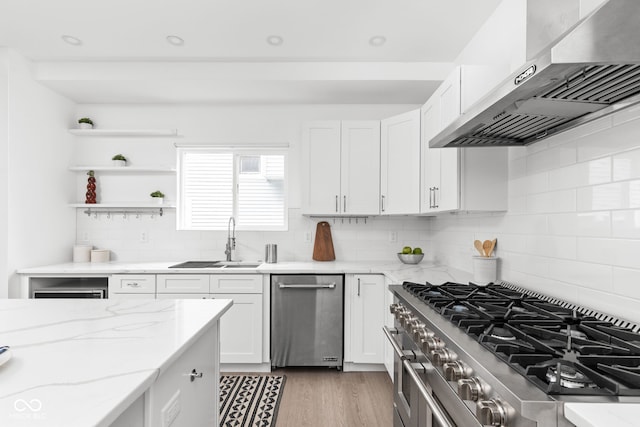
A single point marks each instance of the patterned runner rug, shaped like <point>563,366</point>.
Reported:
<point>250,400</point>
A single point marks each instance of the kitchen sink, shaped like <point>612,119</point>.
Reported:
<point>215,264</point>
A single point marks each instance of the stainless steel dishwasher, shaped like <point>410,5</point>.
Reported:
<point>307,320</point>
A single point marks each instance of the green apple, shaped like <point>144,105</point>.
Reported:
<point>417,251</point>
<point>406,250</point>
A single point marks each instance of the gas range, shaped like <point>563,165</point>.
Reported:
<point>512,357</point>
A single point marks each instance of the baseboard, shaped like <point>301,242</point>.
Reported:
<point>363,367</point>
<point>245,367</point>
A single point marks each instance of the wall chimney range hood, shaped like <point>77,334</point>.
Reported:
<point>592,71</point>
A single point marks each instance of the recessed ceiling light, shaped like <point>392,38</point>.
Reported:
<point>74,41</point>
<point>377,41</point>
<point>175,40</point>
<point>275,40</point>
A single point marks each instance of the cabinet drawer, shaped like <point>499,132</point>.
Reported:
<point>183,283</point>
<point>132,284</point>
<point>236,283</point>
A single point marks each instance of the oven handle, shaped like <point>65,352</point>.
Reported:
<point>435,407</point>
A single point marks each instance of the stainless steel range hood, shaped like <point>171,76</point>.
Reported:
<point>592,71</point>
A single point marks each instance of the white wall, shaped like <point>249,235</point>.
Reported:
<point>220,124</point>
<point>4,164</point>
<point>40,225</point>
<point>573,225</point>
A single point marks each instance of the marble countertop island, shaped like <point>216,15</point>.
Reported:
<point>82,363</point>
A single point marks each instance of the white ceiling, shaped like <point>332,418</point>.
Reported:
<point>128,37</point>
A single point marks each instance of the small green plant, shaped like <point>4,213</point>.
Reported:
<point>119,157</point>
<point>157,193</point>
<point>85,120</point>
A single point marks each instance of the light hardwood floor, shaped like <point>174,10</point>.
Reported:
<point>325,397</point>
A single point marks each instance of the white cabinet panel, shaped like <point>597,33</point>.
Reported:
<point>195,398</point>
<point>236,283</point>
<point>360,167</point>
<point>132,284</point>
<point>182,283</point>
<point>241,329</point>
<point>400,164</point>
<point>321,151</point>
<point>365,296</point>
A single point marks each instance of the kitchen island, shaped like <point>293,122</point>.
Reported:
<point>110,362</point>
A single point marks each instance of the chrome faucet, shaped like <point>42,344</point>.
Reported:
<point>231,241</point>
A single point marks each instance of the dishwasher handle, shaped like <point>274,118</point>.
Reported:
<point>331,285</point>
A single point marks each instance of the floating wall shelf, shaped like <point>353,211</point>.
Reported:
<point>124,132</point>
<point>124,169</point>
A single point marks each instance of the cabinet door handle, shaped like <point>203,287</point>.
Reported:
<point>133,284</point>
<point>194,374</point>
<point>358,286</point>
<point>430,199</point>
<point>382,203</point>
<point>344,204</point>
<point>336,203</point>
<point>434,196</point>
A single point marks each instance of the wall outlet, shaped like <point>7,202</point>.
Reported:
<point>393,236</point>
<point>171,410</point>
<point>144,237</point>
<point>307,237</point>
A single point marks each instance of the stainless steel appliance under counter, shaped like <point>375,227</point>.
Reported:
<point>307,320</point>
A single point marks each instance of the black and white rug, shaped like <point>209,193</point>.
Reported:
<point>250,400</point>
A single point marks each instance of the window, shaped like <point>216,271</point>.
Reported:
<point>215,184</point>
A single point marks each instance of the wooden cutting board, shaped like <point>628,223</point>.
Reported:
<point>323,246</point>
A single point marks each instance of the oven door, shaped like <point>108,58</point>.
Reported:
<point>414,402</point>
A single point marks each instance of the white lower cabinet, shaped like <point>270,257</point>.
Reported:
<point>365,316</point>
<point>241,328</point>
<point>389,322</point>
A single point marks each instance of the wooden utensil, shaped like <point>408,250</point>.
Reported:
<point>492,247</point>
<point>478,246</point>
<point>486,246</point>
<point>323,246</point>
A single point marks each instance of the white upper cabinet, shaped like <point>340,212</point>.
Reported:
<point>342,167</point>
<point>453,179</point>
<point>400,164</point>
<point>360,167</point>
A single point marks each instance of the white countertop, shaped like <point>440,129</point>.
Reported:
<point>84,364</point>
<point>395,270</point>
<point>603,414</point>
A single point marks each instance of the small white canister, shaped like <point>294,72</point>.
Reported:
<point>485,270</point>
<point>100,255</point>
<point>82,253</point>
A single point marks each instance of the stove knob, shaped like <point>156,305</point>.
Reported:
<point>442,356</point>
<point>408,320</point>
<point>415,325</point>
<point>401,312</point>
<point>470,389</point>
<point>432,343</point>
<point>394,307</point>
<point>491,412</point>
<point>454,371</point>
<point>422,333</point>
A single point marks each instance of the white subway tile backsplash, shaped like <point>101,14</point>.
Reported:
<point>551,246</point>
<point>583,274</point>
<point>552,202</point>
<point>559,156</point>
<point>626,282</point>
<point>596,250</point>
<point>626,165</point>
<point>602,197</point>
<point>626,224</point>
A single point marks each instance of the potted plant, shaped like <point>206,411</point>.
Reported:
<point>119,160</point>
<point>158,196</point>
<point>85,123</point>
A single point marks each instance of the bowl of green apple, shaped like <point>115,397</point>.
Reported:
<point>410,256</point>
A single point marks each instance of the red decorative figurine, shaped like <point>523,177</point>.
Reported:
<point>91,188</point>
